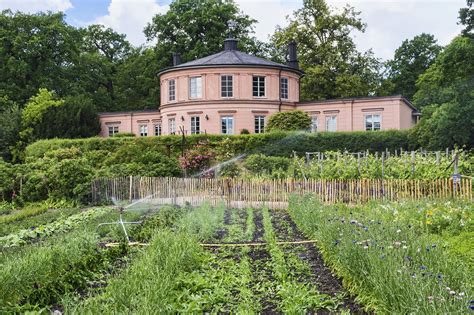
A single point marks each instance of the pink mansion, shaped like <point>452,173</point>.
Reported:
<point>231,91</point>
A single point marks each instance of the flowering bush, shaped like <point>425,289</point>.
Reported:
<point>197,159</point>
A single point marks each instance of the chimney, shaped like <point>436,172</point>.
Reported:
<point>176,59</point>
<point>230,44</point>
<point>292,58</point>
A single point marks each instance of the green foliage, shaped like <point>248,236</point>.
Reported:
<point>445,92</point>
<point>411,60</point>
<point>466,18</point>
<point>288,121</point>
<point>259,164</point>
<point>10,122</point>
<point>22,237</point>
<point>124,134</point>
<point>327,52</point>
<point>7,180</point>
<point>76,118</point>
<point>387,256</point>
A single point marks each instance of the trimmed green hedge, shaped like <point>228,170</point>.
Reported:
<point>275,143</point>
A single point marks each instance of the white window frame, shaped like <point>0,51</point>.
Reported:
<point>225,120</point>
<point>114,129</point>
<point>157,129</point>
<point>284,90</point>
<point>259,124</point>
<point>258,86</point>
<point>314,123</point>
<point>328,119</point>
<point>171,90</point>
<point>373,124</point>
<point>143,130</point>
<point>195,125</point>
<point>196,91</point>
<point>172,125</point>
<point>230,93</point>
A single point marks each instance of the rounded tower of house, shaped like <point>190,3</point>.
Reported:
<point>227,92</point>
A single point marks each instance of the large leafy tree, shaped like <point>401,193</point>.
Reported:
<point>198,28</point>
<point>446,96</point>
<point>103,53</point>
<point>36,50</point>
<point>466,18</point>
<point>327,52</point>
<point>411,60</point>
<point>10,122</point>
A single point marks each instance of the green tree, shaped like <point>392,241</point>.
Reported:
<point>327,52</point>
<point>36,50</point>
<point>286,121</point>
<point>137,85</point>
<point>466,18</point>
<point>411,60</point>
<point>32,116</point>
<point>198,28</point>
<point>76,118</point>
<point>10,122</point>
<point>104,51</point>
<point>446,96</point>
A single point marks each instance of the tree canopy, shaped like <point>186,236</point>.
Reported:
<point>411,60</point>
<point>327,53</point>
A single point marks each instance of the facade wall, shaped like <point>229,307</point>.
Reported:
<point>242,84</point>
<point>129,122</point>
<point>243,107</point>
<point>351,114</point>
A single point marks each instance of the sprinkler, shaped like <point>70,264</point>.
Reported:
<point>121,209</point>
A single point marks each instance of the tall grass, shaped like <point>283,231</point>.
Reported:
<point>146,287</point>
<point>386,257</point>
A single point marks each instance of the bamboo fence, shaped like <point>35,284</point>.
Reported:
<point>242,193</point>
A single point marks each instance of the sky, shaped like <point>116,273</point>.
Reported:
<point>389,22</point>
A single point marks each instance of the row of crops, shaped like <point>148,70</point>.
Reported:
<point>407,257</point>
<point>343,165</point>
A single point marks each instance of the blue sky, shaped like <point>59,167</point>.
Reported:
<point>389,22</point>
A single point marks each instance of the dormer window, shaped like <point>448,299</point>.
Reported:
<point>195,87</point>
<point>227,86</point>
<point>258,86</point>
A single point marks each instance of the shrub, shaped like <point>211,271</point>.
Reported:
<point>124,134</point>
<point>287,121</point>
<point>260,164</point>
<point>244,132</point>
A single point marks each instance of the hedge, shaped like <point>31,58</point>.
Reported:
<point>275,143</point>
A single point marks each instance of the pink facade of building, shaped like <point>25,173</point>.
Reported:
<point>231,91</point>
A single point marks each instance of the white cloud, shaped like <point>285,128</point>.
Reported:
<point>130,17</point>
<point>33,6</point>
<point>268,13</point>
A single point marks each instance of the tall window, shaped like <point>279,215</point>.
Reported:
<point>258,86</point>
<point>195,87</point>
<point>259,124</point>
<point>372,122</point>
<point>113,130</point>
<point>284,88</point>
<point>314,124</point>
<point>226,86</point>
<point>227,125</point>
<point>157,129</point>
<point>143,130</point>
<point>195,125</point>
<point>331,123</point>
<point>171,90</point>
<point>172,126</point>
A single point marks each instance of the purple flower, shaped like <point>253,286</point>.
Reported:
<point>423,267</point>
